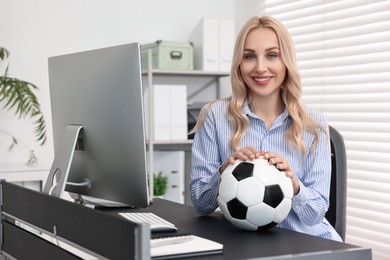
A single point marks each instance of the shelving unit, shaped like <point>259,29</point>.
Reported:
<point>32,177</point>
<point>197,82</point>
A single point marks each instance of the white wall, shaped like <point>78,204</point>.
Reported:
<point>245,10</point>
<point>35,30</point>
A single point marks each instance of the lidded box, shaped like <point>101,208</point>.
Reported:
<point>168,55</point>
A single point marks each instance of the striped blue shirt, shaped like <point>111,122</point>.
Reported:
<point>211,148</point>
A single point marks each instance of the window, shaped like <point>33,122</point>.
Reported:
<point>343,51</point>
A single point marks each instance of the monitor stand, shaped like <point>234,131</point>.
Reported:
<point>59,172</point>
<point>73,139</point>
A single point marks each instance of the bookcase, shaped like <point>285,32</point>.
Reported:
<point>202,86</point>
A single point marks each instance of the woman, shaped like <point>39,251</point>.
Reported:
<point>265,117</point>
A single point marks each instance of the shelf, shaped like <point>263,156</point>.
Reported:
<point>183,145</point>
<point>199,73</point>
<point>195,80</point>
<point>172,142</point>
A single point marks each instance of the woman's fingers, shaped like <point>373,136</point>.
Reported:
<point>246,153</point>
<point>283,165</point>
<point>277,160</point>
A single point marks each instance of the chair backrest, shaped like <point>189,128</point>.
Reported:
<point>336,214</point>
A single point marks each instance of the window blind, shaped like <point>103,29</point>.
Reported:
<point>343,51</point>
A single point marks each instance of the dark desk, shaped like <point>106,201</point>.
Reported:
<point>238,244</point>
<point>105,233</point>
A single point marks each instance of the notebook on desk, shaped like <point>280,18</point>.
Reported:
<point>183,246</point>
<point>172,245</point>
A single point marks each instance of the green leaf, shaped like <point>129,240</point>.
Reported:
<point>14,142</point>
<point>160,184</point>
<point>3,53</point>
<point>18,96</point>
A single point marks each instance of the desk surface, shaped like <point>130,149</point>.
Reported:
<point>239,244</point>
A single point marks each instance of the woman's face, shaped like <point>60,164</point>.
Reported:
<point>262,67</point>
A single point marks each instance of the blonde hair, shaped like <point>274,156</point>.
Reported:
<point>292,88</point>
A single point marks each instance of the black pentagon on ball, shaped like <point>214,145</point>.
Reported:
<point>243,170</point>
<point>273,195</point>
<point>266,227</point>
<point>236,209</point>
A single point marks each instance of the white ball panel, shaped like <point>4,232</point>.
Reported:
<point>228,187</point>
<point>266,172</point>
<point>285,184</point>
<point>260,214</point>
<point>223,207</point>
<point>282,210</point>
<point>250,191</point>
<point>243,224</point>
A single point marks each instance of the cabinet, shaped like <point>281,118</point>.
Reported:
<point>202,86</point>
<point>32,177</point>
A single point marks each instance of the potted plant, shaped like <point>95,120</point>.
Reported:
<point>18,95</point>
<point>160,182</point>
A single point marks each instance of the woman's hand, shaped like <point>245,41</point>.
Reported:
<point>244,154</point>
<point>250,153</point>
<point>283,165</point>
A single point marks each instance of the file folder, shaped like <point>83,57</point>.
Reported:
<point>169,106</point>
<point>213,41</point>
<point>226,44</point>
<point>206,45</point>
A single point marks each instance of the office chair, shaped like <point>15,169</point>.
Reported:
<point>336,213</point>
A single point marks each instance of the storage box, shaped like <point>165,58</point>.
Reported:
<point>168,55</point>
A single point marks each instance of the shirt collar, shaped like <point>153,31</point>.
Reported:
<point>249,112</point>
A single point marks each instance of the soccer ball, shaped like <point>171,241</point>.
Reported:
<point>254,195</point>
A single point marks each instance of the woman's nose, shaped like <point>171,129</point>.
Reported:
<point>261,66</point>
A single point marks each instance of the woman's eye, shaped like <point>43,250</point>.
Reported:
<point>272,55</point>
<point>249,56</point>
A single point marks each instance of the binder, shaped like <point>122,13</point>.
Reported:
<point>178,112</point>
<point>213,41</point>
<point>226,44</point>
<point>162,114</point>
<point>206,45</point>
<point>161,111</point>
<point>170,112</point>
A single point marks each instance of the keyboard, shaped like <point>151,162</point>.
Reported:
<point>156,223</point>
<point>169,239</point>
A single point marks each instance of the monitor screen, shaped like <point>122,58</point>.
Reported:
<point>98,126</point>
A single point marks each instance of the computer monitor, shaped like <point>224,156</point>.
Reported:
<point>98,126</point>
